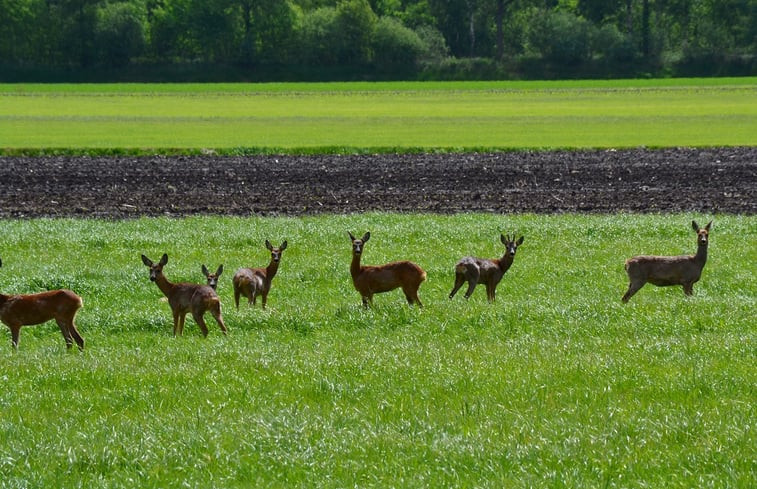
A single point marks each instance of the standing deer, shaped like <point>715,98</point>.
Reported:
<point>30,309</point>
<point>682,270</point>
<point>373,279</point>
<point>186,297</point>
<point>486,271</point>
<point>212,277</point>
<point>251,282</point>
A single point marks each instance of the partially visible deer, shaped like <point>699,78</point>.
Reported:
<point>373,279</point>
<point>30,309</point>
<point>487,271</point>
<point>212,277</point>
<point>682,270</point>
<point>185,298</point>
<point>251,282</point>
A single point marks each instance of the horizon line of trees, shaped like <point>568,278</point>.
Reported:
<point>378,39</point>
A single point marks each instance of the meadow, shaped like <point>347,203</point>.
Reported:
<point>338,117</point>
<point>557,384</point>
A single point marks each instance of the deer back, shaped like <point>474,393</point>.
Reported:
<point>30,309</point>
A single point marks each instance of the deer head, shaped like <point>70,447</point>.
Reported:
<point>155,268</point>
<point>212,277</point>
<point>703,234</point>
<point>511,245</point>
<point>357,244</point>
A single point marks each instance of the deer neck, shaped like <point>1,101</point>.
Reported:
<point>271,269</point>
<point>164,285</point>
<point>701,256</point>
<point>355,265</point>
<point>505,262</point>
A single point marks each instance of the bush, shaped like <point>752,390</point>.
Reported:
<point>396,48</point>
<point>119,31</point>
<point>560,37</point>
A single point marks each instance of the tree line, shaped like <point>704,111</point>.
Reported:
<point>261,40</point>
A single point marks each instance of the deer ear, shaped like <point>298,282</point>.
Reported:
<point>205,270</point>
<point>220,270</point>
<point>268,245</point>
<point>695,225</point>
<point>503,238</point>
<point>1,262</point>
<point>707,227</point>
<point>366,236</point>
<point>283,246</point>
<point>520,241</point>
<point>163,259</point>
<point>146,261</point>
<point>351,236</point>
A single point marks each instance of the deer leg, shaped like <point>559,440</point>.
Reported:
<point>236,296</point>
<point>216,312</point>
<point>688,289</point>
<point>264,296</point>
<point>633,287</point>
<point>15,332</point>
<point>77,337</point>
<point>175,324</point>
<point>201,322</point>
<point>64,329</point>
<point>490,292</point>
<point>180,324</point>
<point>367,301</point>
<point>459,281</point>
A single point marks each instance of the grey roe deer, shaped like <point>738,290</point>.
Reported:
<point>212,278</point>
<point>373,279</point>
<point>251,282</point>
<point>186,298</point>
<point>487,271</point>
<point>682,270</point>
<point>30,309</point>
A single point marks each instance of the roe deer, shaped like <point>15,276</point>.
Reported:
<point>373,279</point>
<point>251,282</point>
<point>212,277</point>
<point>682,270</point>
<point>186,297</point>
<point>30,309</point>
<point>486,271</point>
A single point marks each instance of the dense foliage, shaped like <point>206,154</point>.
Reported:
<point>375,39</point>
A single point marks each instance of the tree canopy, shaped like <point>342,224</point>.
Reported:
<point>376,39</point>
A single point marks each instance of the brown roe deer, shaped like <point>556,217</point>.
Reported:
<point>487,271</point>
<point>251,282</point>
<point>212,278</point>
<point>30,309</point>
<point>373,279</point>
<point>185,298</point>
<point>682,270</point>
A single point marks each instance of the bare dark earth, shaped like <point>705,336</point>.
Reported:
<point>718,180</point>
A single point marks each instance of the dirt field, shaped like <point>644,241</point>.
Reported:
<point>722,180</point>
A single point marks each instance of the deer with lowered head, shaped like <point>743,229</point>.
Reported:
<point>30,309</point>
<point>251,282</point>
<point>186,298</point>
<point>487,271</point>
<point>682,270</point>
<point>372,279</point>
<point>212,278</point>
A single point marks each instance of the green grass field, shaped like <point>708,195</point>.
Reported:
<point>378,116</point>
<point>557,384</point>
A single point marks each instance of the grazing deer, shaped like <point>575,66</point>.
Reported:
<point>682,270</point>
<point>486,271</point>
<point>251,282</point>
<point>186,297</point>
<point>373,279</point>
<point>30,309</point>
<point>212,277</point>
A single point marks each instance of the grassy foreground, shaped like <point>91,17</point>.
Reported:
<point>344,117</point>
<point>556,385</point>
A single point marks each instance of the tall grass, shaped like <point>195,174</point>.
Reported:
<point>287,117</point>
<point>557,384</point>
